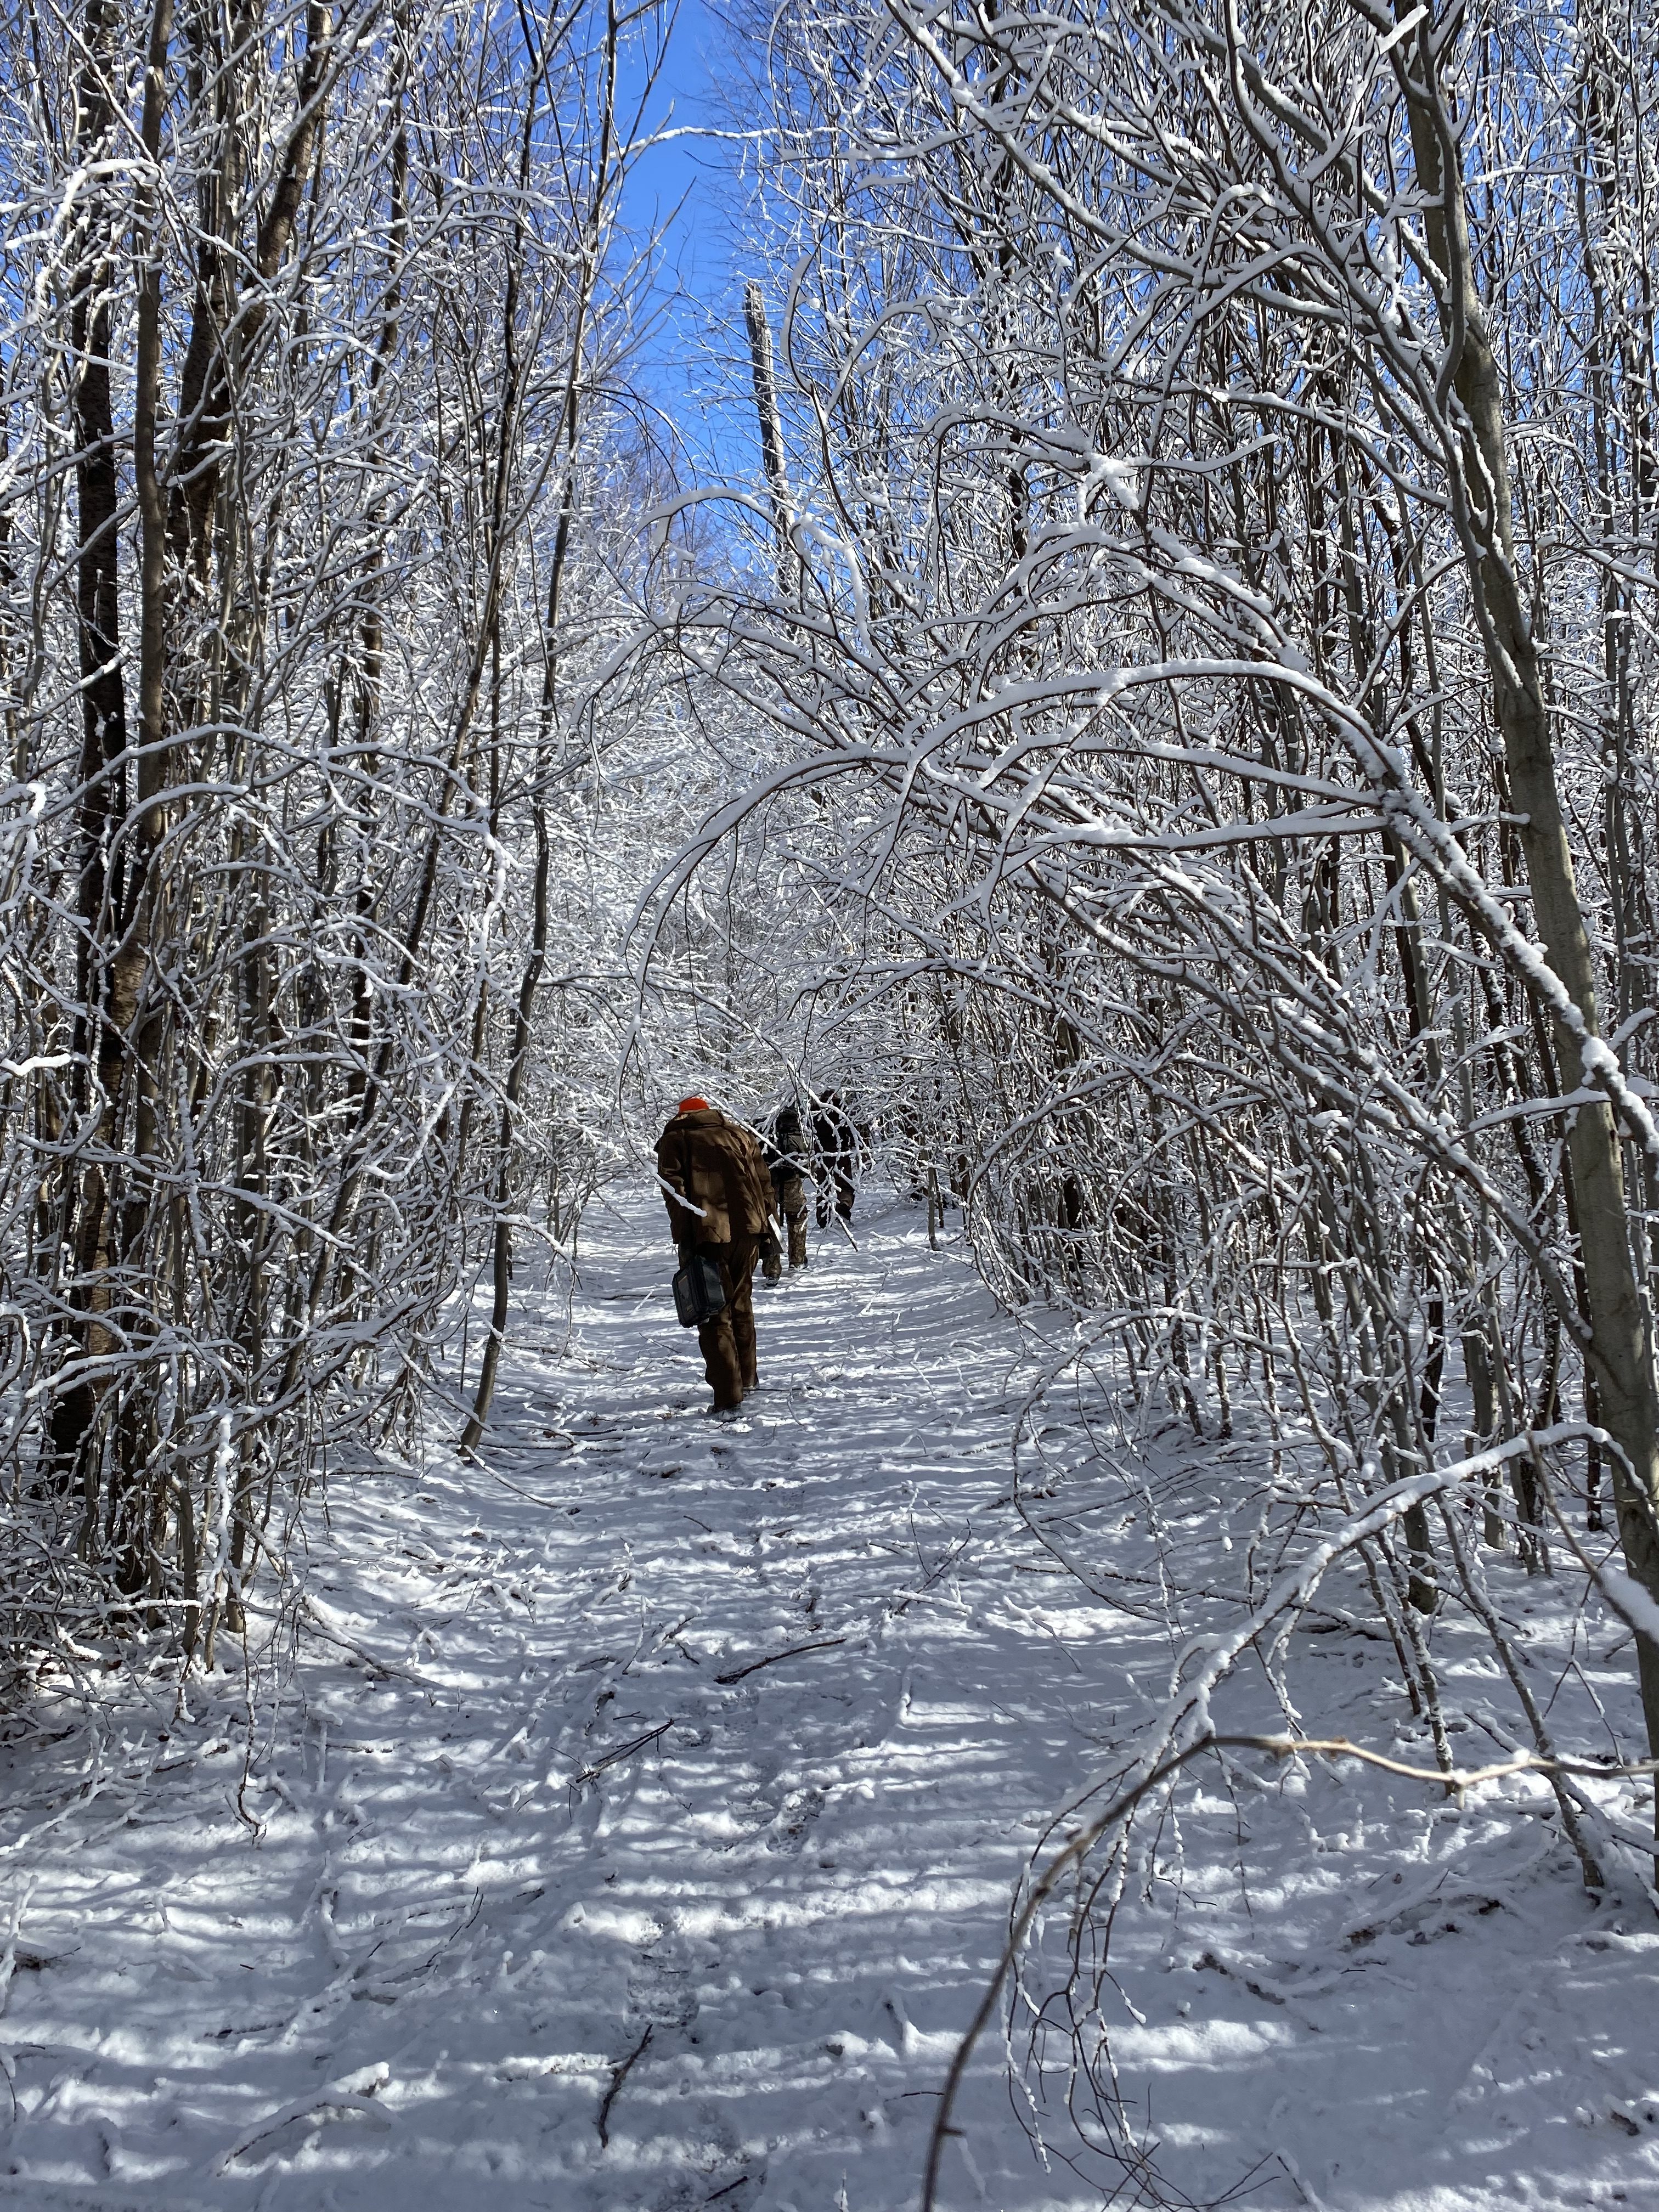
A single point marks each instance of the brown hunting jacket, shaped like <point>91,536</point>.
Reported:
<point>728,1178</point>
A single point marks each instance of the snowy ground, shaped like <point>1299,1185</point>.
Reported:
<point>639,1828</point>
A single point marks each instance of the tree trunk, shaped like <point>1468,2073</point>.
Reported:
<point>771,429</point>
<point>102,802</point>
<point>530,982</point>
<point>1617,1352</point>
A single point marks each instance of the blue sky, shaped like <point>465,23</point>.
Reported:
<point>700,272</point>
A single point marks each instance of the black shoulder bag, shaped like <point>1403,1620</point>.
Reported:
<point>699,1293</point>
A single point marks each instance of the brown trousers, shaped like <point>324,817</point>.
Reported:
<point>792,1204</point>
<point>794,1199</point>
<point>727,1342</point>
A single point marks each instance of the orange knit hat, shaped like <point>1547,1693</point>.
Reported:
<point>694,1106</point>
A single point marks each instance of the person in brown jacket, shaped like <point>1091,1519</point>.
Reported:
<point>718,1197</point>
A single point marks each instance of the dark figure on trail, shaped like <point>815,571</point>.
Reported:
<point>790,1162</point>
<point>838,1150</point>
<point>719,1198</point>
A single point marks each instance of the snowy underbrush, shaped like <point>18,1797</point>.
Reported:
<point>632,1818</point>
<point>1485,1794</point>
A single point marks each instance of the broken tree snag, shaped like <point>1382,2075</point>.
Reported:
<point>771,428</point>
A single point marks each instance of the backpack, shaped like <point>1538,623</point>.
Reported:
<point>699,1293</point>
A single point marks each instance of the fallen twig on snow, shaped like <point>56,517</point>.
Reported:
<point>622,1751</point>
<point>326,1625</point>
<point>619,2074</point>
<point>347,2098</point>
<point>823,1643</point>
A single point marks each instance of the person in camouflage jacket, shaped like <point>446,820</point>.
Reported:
<point>790,1162</point>
<point>718,1195</point>
<point>839,1141</point>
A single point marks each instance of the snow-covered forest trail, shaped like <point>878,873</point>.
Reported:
<point>638,1829</point>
